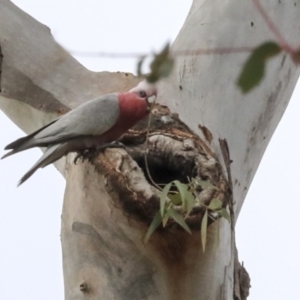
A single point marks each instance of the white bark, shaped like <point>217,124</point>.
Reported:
<point>209,95</point>
<point>104,257</point>
<point>202,89</point>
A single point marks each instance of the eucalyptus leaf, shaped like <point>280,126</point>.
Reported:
<point>215,204</point>
<point>182,188</point>
<point>140,65</point>
<point>175,198</point>
<point>206,184</point>
<point>161,66</point>
<point>190,202</point>
<point>165,219</point>
<point>153,226</point>
<point>204,230</point>
<point>254,68</point>
<point>163,198</point>
<point>178,219</point>
<point>225,214</point>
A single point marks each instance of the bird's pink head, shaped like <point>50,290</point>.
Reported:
<point>135,104</point>
<point>145,89</point>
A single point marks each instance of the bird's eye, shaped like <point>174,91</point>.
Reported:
<point>142,94</point>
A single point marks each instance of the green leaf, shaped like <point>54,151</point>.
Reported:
<point>215,204</point>
<point>190,202</point>
<point>140,65</point>
<point>161,66</point>
<point>206,184</point>
<point>224,213</point>
<point>182,188</point>
<point>154,224</point>
<point>204,230</point>
<point>179,219</point>
<point>254,68</point>
<point>163,198</point>
<point>175,198</point>
<point>165,219</point>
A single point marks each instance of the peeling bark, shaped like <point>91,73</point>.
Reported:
<point>128,205</point>
<point>174,152</point>
<point>202,89</point>
<point>102,244</point>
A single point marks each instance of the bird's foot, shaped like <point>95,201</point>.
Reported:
<point>90,153</point>
<point>85,154</point>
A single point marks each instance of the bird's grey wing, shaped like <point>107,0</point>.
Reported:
<point>91,118</point>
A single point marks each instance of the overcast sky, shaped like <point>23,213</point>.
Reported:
<point>268,227</point>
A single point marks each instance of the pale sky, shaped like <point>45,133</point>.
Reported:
<point>268,226</point>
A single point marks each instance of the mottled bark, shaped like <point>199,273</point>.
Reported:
<point>203,91</point>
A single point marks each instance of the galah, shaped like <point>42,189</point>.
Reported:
<point>92,125</point>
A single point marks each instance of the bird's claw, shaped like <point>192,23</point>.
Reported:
<point>89,153</point>
<point>85,154</point>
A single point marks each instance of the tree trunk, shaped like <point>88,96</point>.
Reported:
<point>202,89</point>
<point>109,203</point>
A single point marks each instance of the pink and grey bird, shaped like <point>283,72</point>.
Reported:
<point>92,125</point>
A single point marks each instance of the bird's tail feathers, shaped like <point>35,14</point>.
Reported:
<point>52,154</point>
<point>25,142</point>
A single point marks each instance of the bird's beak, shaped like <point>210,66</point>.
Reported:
<point>151,99</point>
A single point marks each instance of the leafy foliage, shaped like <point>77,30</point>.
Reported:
<point>154,224</point>
<point>160,67</point>
<point>254,68</point>
<point>177,200</point>
<point>215,204</point>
